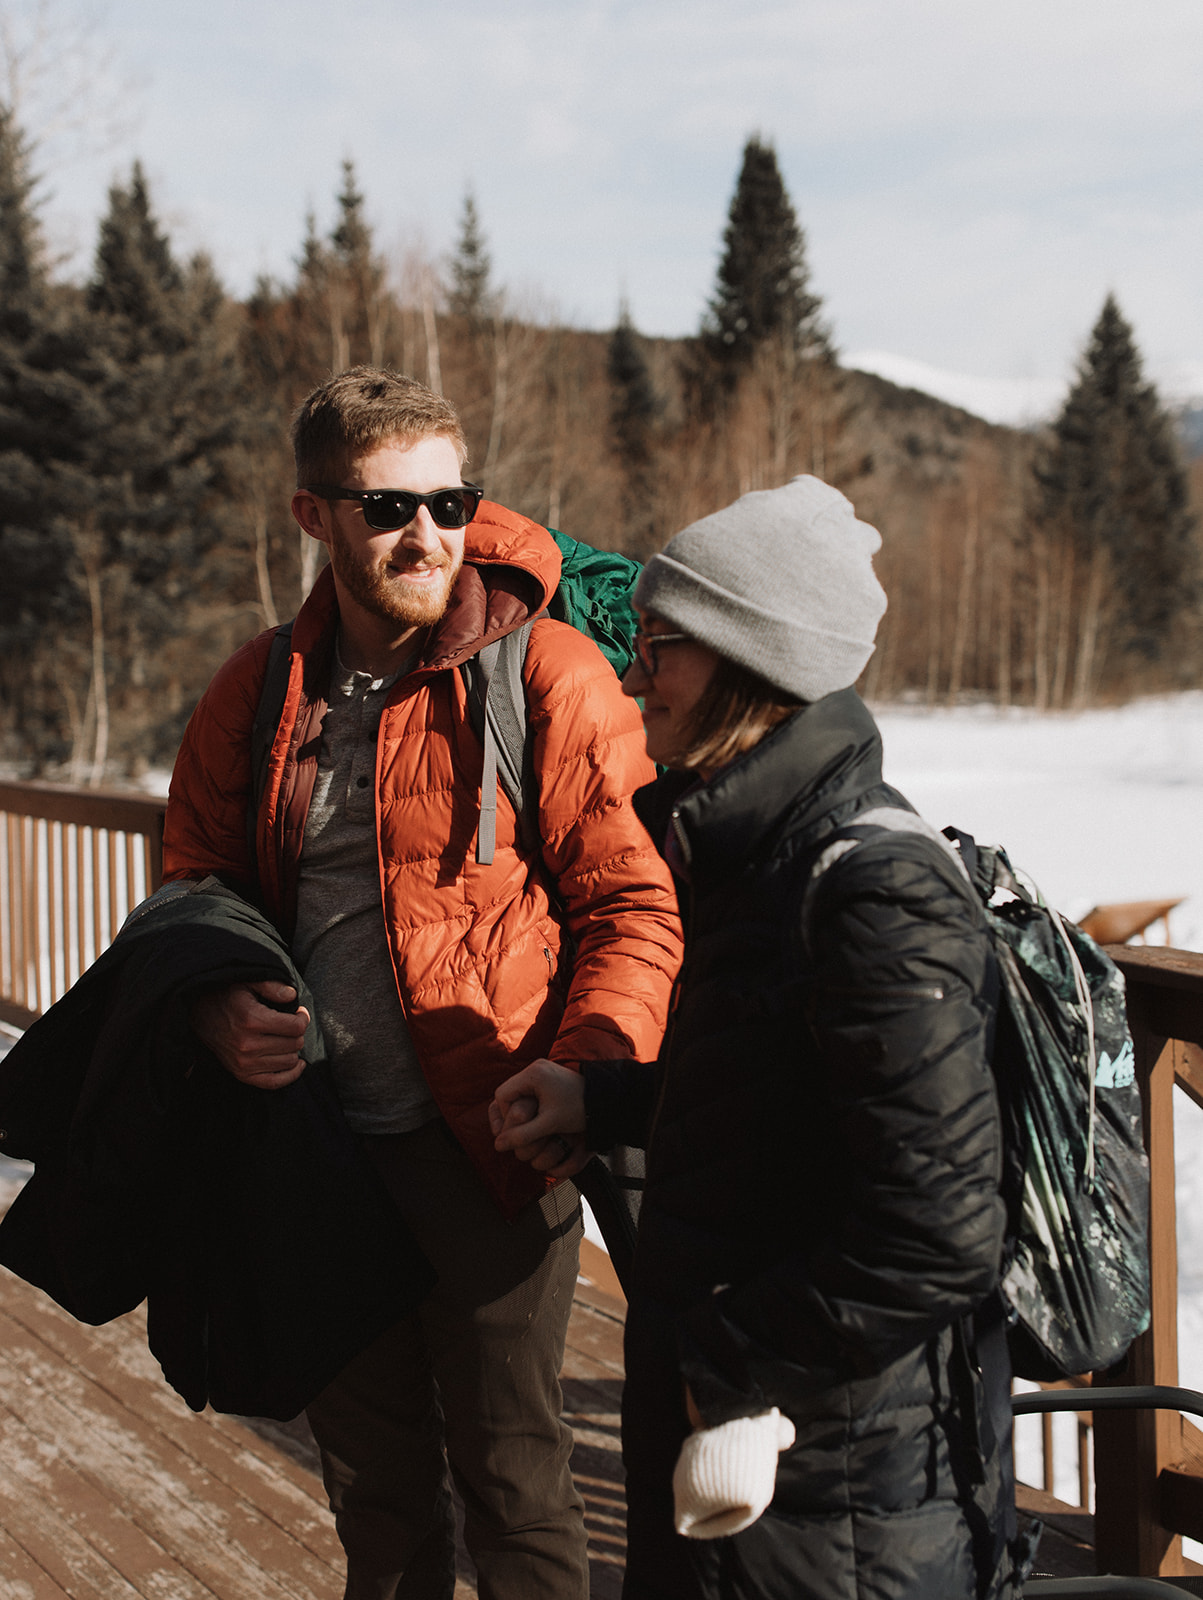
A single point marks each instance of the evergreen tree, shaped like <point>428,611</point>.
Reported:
<point>131,395</point>
<point>34,406</point>
<point>633,405</point>
<point>633,413</point>
<point>22,271</point>
<point>351,236</point>
<point>470,294</point>
<point>762,292</point>
<point>340,308</point>
<point>1112,481</point>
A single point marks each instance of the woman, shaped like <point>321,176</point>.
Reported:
<point>822,1209</point>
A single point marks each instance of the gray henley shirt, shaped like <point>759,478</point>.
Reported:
<point>341,945</point>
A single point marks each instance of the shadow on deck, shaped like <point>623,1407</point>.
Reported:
<point>111,1489</point>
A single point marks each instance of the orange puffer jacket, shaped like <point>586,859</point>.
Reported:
<point>476,948</point>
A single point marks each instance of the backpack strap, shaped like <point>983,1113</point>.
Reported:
<point>263,730</point>
<point>868,825</point>
<point>498,712</point>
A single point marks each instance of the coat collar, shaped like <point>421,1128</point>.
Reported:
<point>816,767</point>
<point>510,571</point>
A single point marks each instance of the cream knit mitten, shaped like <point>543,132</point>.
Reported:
<point>724,1476</point>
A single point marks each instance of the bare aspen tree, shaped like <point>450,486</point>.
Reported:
<point>430,326</point>
<point>965,590</point>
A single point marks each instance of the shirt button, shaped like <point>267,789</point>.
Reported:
<point>361,783</point>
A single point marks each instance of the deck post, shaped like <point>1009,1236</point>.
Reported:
<point>1131,1447</point>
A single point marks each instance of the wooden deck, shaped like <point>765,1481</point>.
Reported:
<point>111,1489</point>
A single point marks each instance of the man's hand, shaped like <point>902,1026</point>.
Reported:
<point>259,1045</point>
<point>539,1114</point>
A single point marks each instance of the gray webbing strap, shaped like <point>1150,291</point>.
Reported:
<point>486,832</point>
<point>497,683</point>
<point>505,712</point>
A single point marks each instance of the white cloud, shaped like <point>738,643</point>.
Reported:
<point>972,179</point>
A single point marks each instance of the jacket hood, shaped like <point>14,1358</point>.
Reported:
<point>819,766</point>
<point>511,569</point>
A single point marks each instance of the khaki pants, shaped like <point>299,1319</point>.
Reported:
<point>470,1379</point>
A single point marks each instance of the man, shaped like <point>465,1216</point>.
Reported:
<point>435,975</point>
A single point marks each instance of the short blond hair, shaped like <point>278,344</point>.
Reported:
<point>360,409</point>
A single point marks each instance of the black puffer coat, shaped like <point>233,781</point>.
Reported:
<point>822,1205</point>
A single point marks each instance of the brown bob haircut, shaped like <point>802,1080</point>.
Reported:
<point>352,414</point>
<point>736,710</point>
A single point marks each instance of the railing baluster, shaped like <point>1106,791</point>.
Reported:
<point>111,839</point>
<point>29,985</point>
<point>54,861</point>
<point>81,904</point>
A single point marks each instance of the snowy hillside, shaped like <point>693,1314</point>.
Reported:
<point>1013,402</point>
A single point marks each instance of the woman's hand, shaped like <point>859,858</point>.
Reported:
<point>539,1115</point>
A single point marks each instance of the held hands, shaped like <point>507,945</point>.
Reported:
<point>258,1044</point>
<point>539,1114</point>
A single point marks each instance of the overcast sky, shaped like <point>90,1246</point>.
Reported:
<point>972,177</point>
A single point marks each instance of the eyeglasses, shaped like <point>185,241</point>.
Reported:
<point>647,646</point>
<point>385,510</point>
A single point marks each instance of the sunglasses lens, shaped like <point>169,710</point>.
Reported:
<point>449,508</point>
<point>386,512</point>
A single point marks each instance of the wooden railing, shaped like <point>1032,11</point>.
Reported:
<point>1149,1464</point>
<point>73,864</point>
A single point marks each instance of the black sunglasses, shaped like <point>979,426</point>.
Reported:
<point>648,644</point>
<point>385,510</point>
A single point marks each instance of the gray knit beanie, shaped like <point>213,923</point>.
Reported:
<point>781,582</point>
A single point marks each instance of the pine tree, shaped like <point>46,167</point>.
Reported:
<point>633,413</point>
<point>338,312</point>
<point>22,269</point>
<point>633,406</point>
<point>762,292</point>
<point>135,391</point>
<point>1112,481</point>
<point>470,294</point>
<point>34,404</point>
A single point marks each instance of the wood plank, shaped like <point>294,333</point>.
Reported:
<point>1188,1070</point>
<point>23,1578</point>
<point>594,1343</point>
<point>1160,966</point>
<point>217,1536</point>
<point>1180,1501</point>
<point>101,1520</point>
<point>116,1359</point>
<point>43,1532</point>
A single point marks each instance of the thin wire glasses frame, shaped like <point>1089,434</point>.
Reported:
<point>647,646</point>
<point>386,510</point>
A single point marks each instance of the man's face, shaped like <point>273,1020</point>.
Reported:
<point>405,576</point>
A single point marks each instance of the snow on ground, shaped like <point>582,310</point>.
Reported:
<point>1096,806</point>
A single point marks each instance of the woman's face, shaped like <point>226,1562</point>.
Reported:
<point>683,668</point>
